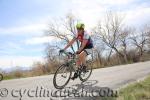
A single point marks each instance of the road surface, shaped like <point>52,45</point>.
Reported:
<point>41,87</point>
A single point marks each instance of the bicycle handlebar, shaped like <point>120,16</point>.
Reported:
<point>68,54</point>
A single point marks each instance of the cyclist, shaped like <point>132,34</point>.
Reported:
<point>84,50</point>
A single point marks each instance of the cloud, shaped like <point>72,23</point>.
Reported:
<point>90,12</point>
<point>138,16</point>
<point>13,61</point>
<point>40,40</point>
<point>32,29</point>
<point>116,2</point>
<point>101,2</point>
<point>13,46</point>
<point>9,48</point>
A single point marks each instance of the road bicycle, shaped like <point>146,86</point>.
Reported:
<point>63,73</point>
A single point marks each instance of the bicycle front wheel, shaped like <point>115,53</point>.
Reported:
<point>62,76</point>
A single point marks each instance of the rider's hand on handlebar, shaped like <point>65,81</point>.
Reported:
<point>62,50</point>
<point>77,52</point>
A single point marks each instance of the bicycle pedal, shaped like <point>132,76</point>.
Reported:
<point>63,76</point>
<point>76,74</point>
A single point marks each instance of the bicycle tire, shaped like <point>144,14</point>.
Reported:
<point>57,72</point>
<point>90,69</point>
<point>1,77</point>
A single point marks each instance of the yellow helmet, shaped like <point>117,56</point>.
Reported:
<point>80,26</point>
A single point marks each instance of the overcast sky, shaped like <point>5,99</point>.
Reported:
<point>22,23</point>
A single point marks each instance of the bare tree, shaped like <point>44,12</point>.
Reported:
<point>139,40</point>
<point>124,40</point>
<point>110,32</point>
<point>147,32</point>
<point>51,53</point>
<point>63,30</point>
<point>70,26</point>
<point>98,51</point>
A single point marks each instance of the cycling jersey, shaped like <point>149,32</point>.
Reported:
<point>87,37</point>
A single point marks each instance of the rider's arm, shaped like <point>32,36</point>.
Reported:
<point>70,43</point>
<point>83,45</point>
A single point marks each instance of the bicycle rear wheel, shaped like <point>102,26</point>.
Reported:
<point>62,76</point>
<point>84,75</point>
<point>1,77</point>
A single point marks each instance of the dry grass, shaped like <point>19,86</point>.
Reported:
<point>50,67</point>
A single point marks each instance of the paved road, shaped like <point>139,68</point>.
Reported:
<point>41,87</point>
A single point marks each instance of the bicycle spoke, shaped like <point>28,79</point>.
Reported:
<point>85,75</point>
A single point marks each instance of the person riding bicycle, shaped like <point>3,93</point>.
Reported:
<point>85,47</point>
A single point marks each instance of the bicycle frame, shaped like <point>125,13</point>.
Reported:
<point>71,59</point>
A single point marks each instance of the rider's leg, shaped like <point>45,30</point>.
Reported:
<point>81,59</point>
